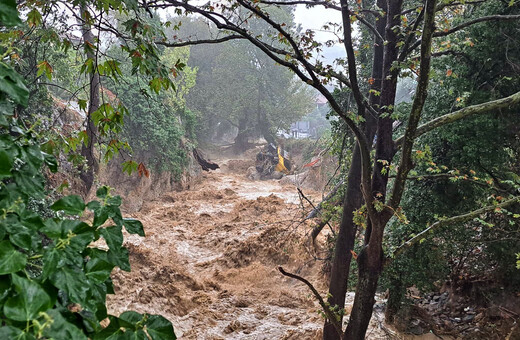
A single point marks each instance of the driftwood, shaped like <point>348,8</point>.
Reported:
<point>206,165</point>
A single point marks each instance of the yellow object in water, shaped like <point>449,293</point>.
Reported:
<point>281,166</point>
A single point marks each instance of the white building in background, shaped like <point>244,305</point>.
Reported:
<point>301,129</point>
<point>312,124</point>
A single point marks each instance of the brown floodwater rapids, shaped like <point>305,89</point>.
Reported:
<point>209,262</point>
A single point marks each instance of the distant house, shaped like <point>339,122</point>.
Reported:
<point>312,124</point>
<point>301,129</point>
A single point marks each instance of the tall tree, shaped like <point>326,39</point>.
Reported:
<point>408,37</point>
<point>240,88</point>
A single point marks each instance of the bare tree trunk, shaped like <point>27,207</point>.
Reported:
<point>87,151</point>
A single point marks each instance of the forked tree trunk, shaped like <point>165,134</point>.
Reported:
<point>353,199</point>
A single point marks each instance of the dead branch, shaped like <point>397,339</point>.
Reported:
<point>326,308</point>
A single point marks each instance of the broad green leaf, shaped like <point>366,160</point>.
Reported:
<point>13,84</point>
<point>111,331</point>
<point>9,13</point>
<point>73,282</point>
<point>119,257</point>
<point>160,328</point>
<point>20,233</point>
<point>50,263</point>
<point>133,226</point>
<point>61,328</point>
<point>5,164</point>
<point>30,300</point>
<point>113,236</point>
<point>72,204</point>
<point>34,155</point>
<point>98,270</point>
<point>135,335</point>
<point>129,319</point>
<point>100,216</point>
<point>10,332</point>
<point>30,183</point>
<point>11,260</point>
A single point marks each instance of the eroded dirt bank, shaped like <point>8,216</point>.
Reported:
<point>209,262</point>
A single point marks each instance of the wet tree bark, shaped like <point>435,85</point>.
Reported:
<point>353,198</point>
<point>344,243</point>
<point>87,151</point>
<point>370,260</point>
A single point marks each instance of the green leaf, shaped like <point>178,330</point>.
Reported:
<point>34,18</point>
<point>10,332</point>
<point>73,282</point>
<point>102,192</point>
<point>133,226</point>
<point>100,216</point>
<point>113,236</point>
<point>45,67</point>
<point>130,319</point>
<point>30,300</point>
<point>119,257</point>
<point>9,13</point>
<point>82,103</point>
<point>160,328</point>
<point>61,328</point>
<point>51,162</point>
<point>11,260</point>
<point>72,204</point>
<point>98,269</point>
<point>5,164</point>
<point>129,167</point>
<point>30,183</point>
<point>13,84</point>
<point>50,263</point>
<point>112,331</point>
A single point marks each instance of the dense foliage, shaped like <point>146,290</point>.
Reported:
<point>480,147</point>
<point>240,92</point>
<point>53,282</point>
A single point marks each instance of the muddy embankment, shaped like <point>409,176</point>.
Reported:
<point>209,261</point>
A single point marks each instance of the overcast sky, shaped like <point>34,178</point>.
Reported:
<point>314,18</point>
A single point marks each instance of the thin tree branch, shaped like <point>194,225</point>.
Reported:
<point>326,308</point>
<point>314,212</point>
<point>326,4</point>
<point>452,220</point>
<point>467,24</point>
<point>504,103</point>
<point>201,41</point>
<point>461,177</point>
<point>475,21</point>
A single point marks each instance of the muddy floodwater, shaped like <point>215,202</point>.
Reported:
<point>209,262</point>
